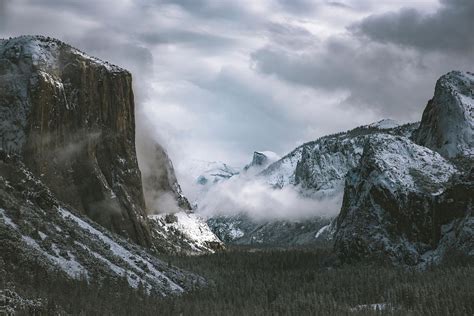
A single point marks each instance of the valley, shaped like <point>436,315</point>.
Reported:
<point>93,219</point>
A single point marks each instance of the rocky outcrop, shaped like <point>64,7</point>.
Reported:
<point>387,211</point>
<point>454,219</point>
<point>261,160</point>
<point>163,193</point>
<point>71,118</point>
<point>447,125</point>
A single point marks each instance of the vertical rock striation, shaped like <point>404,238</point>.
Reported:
<point>71,118</point>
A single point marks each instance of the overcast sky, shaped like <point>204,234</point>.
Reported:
<point>219,79</point>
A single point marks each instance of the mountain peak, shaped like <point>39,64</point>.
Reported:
<point>262,159</point>
<point>46,51</point>
<point>385,124</point>
<point>447,125</point>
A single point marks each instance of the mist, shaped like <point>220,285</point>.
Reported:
<point>160,187</point>
<point>258,200</point>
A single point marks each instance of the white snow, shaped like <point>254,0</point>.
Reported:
<point>235,233</point>
<point>271,156</point>
<point>192,227</point>
<point>42,235</point>
<point>72,268</point>
<point>397,157</point>
<point>322,230</point>
<point>120,252</point>
<point>385,124</point>
<point>8,220</point>
<point>374,307</point>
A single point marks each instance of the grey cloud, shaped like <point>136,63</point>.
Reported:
<point>214,9</point>
<point>3,13</point>
<point>202,40</point>
<point>240,111</point>
<point>298,6</point>
<point>378,77</point>
<point>289,35</point>
<point>448,29</point>
<point>338,4</point>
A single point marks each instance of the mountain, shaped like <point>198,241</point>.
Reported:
<point>317,170</point>
<point>183,233</point>
<point>387,207</point>
<point>447,125</point>
<point>162,191</point>
<point>71,118</point>
<point>72,196</point>
<point>407,189</point>
<point>210,172</point>
<point>260,160</point>
<point>411,204</point>
<point>319,167</point>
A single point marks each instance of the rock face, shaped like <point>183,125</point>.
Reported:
<point>162,190</point>
<point>388,204</point>
<point>261,160</point>
<point>454,219</point>
<point>447,125</point>
<point>405,202</point>
<point>71,118</point>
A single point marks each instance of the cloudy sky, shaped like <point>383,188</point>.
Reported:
<point>216,80</point>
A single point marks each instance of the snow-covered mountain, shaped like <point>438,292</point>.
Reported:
<point>407,188</point>
<point>183,233</point>
<point>447,125</point>
<point>387,209</point>
<point>260,160</point>
<point>70,183</point>
<point>407,203</point>
<point>319,167</point>
<point>315,170</point>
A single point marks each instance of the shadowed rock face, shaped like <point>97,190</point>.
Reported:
<point>447,125</point>
<point>387,212</point>
<point>162,190</point>
<point>71,117</point>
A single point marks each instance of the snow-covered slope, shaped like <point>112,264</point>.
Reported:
<point>388,201</point>
<point>447,125</point>
<point>184,232</point>
<point>385,124</point>
<point>320,167</point>
<point>51,234</point>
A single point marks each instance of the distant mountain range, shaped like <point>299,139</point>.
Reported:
<point>395,181</point>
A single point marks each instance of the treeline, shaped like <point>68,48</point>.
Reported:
<point>290,282</point>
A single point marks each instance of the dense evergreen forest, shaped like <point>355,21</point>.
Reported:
<point>263,282</point>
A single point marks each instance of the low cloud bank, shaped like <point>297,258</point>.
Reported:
<point>258,200</point>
